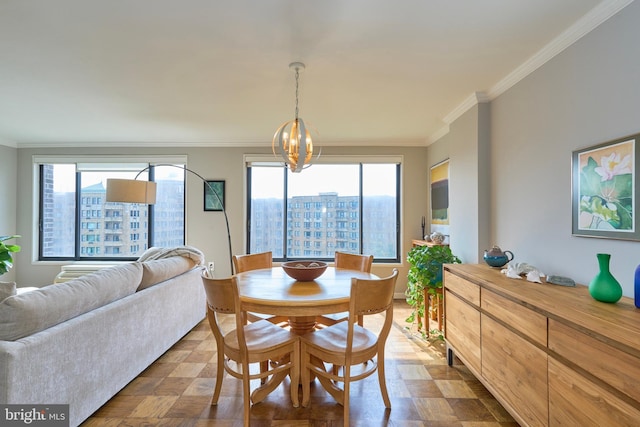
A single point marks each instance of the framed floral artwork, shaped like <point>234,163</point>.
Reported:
<point>604,189</point>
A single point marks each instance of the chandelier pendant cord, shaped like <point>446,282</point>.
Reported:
<point>297,80</point>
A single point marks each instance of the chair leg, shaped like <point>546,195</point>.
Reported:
<point>383,382</point>
<point>335,369</point>
<point>264,367</point>
<point>345,398</point>
<point>246,396</point>
<point>219,377</point>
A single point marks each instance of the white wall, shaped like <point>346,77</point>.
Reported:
<point>588,94</point>
<point>206,230</point>
<point>8,170</point>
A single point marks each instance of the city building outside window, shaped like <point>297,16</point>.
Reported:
<point>75,221</point>
<point>361,197</point>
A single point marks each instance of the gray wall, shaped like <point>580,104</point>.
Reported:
<point>590,93</point>
<point>8,170</point>
<point>206,230</point>
<point>466,147</point>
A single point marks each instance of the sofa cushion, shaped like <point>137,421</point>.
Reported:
<point>7,289</point>
<point>159,270</point>
<point>26,289</point>
<point>31,312</point>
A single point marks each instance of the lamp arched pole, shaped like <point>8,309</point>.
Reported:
<point>224,211</point>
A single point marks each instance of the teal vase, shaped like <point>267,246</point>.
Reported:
<point>604,287</point>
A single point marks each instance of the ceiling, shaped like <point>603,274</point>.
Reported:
<point>216,73</point>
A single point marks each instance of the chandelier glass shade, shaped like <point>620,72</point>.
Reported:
<point>292,141</point>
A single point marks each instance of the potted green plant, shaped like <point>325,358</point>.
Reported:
<point>6,260</point>
<point>425,274</point>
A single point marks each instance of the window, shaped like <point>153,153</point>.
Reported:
<point>77,223</point>
<point>362,196</point>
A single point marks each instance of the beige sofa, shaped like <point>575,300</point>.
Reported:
<point>81,341</point>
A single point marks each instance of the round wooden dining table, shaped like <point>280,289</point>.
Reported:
<point>272,291</point>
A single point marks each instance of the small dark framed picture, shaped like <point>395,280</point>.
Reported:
<point>214,196</point>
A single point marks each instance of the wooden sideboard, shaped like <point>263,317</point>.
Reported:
<point>551,355</point>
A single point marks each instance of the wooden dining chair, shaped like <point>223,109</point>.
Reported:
<point>350,262</point>
<point>256,261</point>
<point>354,261</point>
<point>359,351</point>
<point>247,344</point>
<point>242,263</point>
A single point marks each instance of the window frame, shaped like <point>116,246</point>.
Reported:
<point>266,160</point>
<point>137,163</point>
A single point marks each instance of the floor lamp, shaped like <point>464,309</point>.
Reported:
<point>144,192</point>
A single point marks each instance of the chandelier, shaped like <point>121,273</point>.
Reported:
<point>292,140</point>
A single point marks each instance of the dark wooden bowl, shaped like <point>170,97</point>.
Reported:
<point>304,271</point>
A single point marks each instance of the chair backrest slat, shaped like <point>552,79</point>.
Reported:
<point>220,296</point>
<point>242,263</point>
<point>354,261</point>
<point>372,296</point>
<point>223,298</point>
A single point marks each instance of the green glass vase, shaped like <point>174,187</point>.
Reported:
<point>604,287</point>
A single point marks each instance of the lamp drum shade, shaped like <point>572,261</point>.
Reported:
<point>131,191</point>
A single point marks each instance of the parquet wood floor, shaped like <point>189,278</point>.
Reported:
<point>176,391</point>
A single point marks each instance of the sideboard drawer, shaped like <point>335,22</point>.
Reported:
<point>613,366</point>
<point>576,401</point>
<point>463,288</point>
<point>518,317</point>
<point>462,329</point>
<point>517,370</point>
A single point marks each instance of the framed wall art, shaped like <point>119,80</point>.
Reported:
<point>604,189</point>
<point>439,186</point>
<point>211,202</point>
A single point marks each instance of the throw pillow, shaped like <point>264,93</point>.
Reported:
<point>159,270</point>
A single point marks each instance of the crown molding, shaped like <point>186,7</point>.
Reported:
<point>590,21</point>
<point>438,134</point>
<point>594,18</point>
<point>379,142</point>
<point>8,143</point>
<point>472,100</point>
